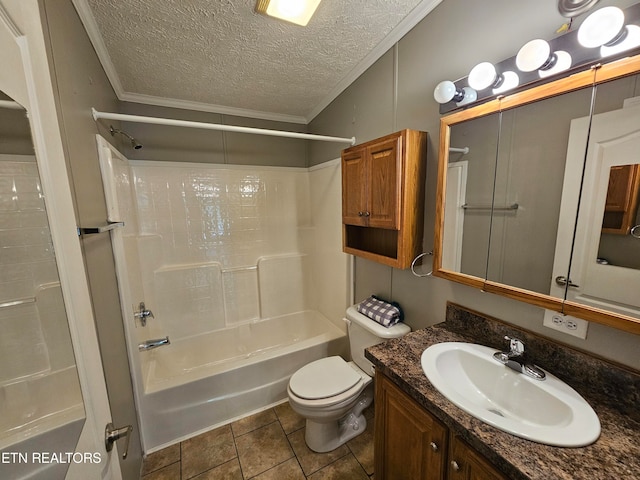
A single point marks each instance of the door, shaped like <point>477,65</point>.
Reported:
<point>614,140</point>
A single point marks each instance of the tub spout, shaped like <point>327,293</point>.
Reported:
<point>151,344</point>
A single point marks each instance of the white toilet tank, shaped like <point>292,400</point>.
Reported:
<point>364,332</point>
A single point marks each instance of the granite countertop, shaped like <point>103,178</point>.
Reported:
<point>615,455</point>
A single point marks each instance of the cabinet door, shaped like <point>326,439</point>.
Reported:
<point>410,442</point>
<point>467,464</point>
<point>354,188</point>
<point>385,175</point>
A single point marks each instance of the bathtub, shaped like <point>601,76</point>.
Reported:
<point>198,383</point>
<point>44,414</point>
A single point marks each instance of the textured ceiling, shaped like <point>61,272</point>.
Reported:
<point>222,56</point>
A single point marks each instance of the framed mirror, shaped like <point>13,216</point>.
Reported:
<point>41,405</point>
<point>522,258</point>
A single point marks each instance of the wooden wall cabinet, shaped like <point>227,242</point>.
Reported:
<point>622,199</point>
<point>383,198</point>
<point>411,443</point>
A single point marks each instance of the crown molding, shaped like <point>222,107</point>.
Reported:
<point>408,22</point>
<point>90,25</point>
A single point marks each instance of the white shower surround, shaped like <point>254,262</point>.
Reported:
<point>227,249</point>
<point>40,398</point>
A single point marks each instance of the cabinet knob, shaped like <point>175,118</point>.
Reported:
<point>366,214</point>
<point>361,214</point>
<point>455,466</point>
<point>434,446</point>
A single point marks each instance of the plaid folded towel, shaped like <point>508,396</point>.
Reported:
<point>385,313</point>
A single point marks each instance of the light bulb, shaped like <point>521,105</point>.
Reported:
<point>563,62</point>
<point>446,91</point>
<point>631,40</point>
<point>601,27</point>
<point>535,55</point>
<point>511,81</point>
<point>469,96</point>
<point>484,75</point>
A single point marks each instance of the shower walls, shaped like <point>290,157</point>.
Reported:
<point>210,247</point>
<point>224,245</point>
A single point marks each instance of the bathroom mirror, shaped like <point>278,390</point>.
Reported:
<point>509,257</point>
<point>41,405</point>
<point>529,176</point>
<point>606,255</point>
<point>471,174</point>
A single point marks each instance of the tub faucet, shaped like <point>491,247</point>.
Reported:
<point>143,313</point>
<point>515,359</point>
<point>151,344</point>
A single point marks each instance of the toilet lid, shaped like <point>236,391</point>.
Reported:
<point>323,378</point>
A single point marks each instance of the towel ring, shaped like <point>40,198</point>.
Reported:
<point>635,231</point>
<point>413,264</point>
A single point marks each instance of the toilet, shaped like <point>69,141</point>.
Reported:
<point>332,393</point>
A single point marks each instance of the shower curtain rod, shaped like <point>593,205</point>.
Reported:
<point>11,104</point>
<point>216,126</point>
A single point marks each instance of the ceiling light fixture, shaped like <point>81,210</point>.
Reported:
<point>294,11</point>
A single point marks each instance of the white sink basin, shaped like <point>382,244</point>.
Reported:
<point>546,411</point>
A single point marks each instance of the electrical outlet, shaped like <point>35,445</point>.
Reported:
<point>566,324</point>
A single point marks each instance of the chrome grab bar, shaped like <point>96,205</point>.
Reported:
<point>514,206</point>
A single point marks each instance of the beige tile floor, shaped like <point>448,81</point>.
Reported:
<point>266,446</point>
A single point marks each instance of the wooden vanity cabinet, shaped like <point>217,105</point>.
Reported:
<point>383,198</point>
<point>467,464</point>
<point>412,444</point>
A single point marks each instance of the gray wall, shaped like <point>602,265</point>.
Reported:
<point>80,83</point>
<point>180,144</point>
<point>15,133</point>
<point>445,45</point>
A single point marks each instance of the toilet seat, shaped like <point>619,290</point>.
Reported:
<point>323,379</point>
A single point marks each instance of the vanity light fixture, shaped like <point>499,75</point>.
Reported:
<point>484,75</point>
<point>602,27</point>
<point>606,35</point>
<point>294,11</point>
<point>446,91</point>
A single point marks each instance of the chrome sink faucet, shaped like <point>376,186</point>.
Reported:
<point>515,359</point>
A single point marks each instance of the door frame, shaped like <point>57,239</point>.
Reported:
<point>28,81</point>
